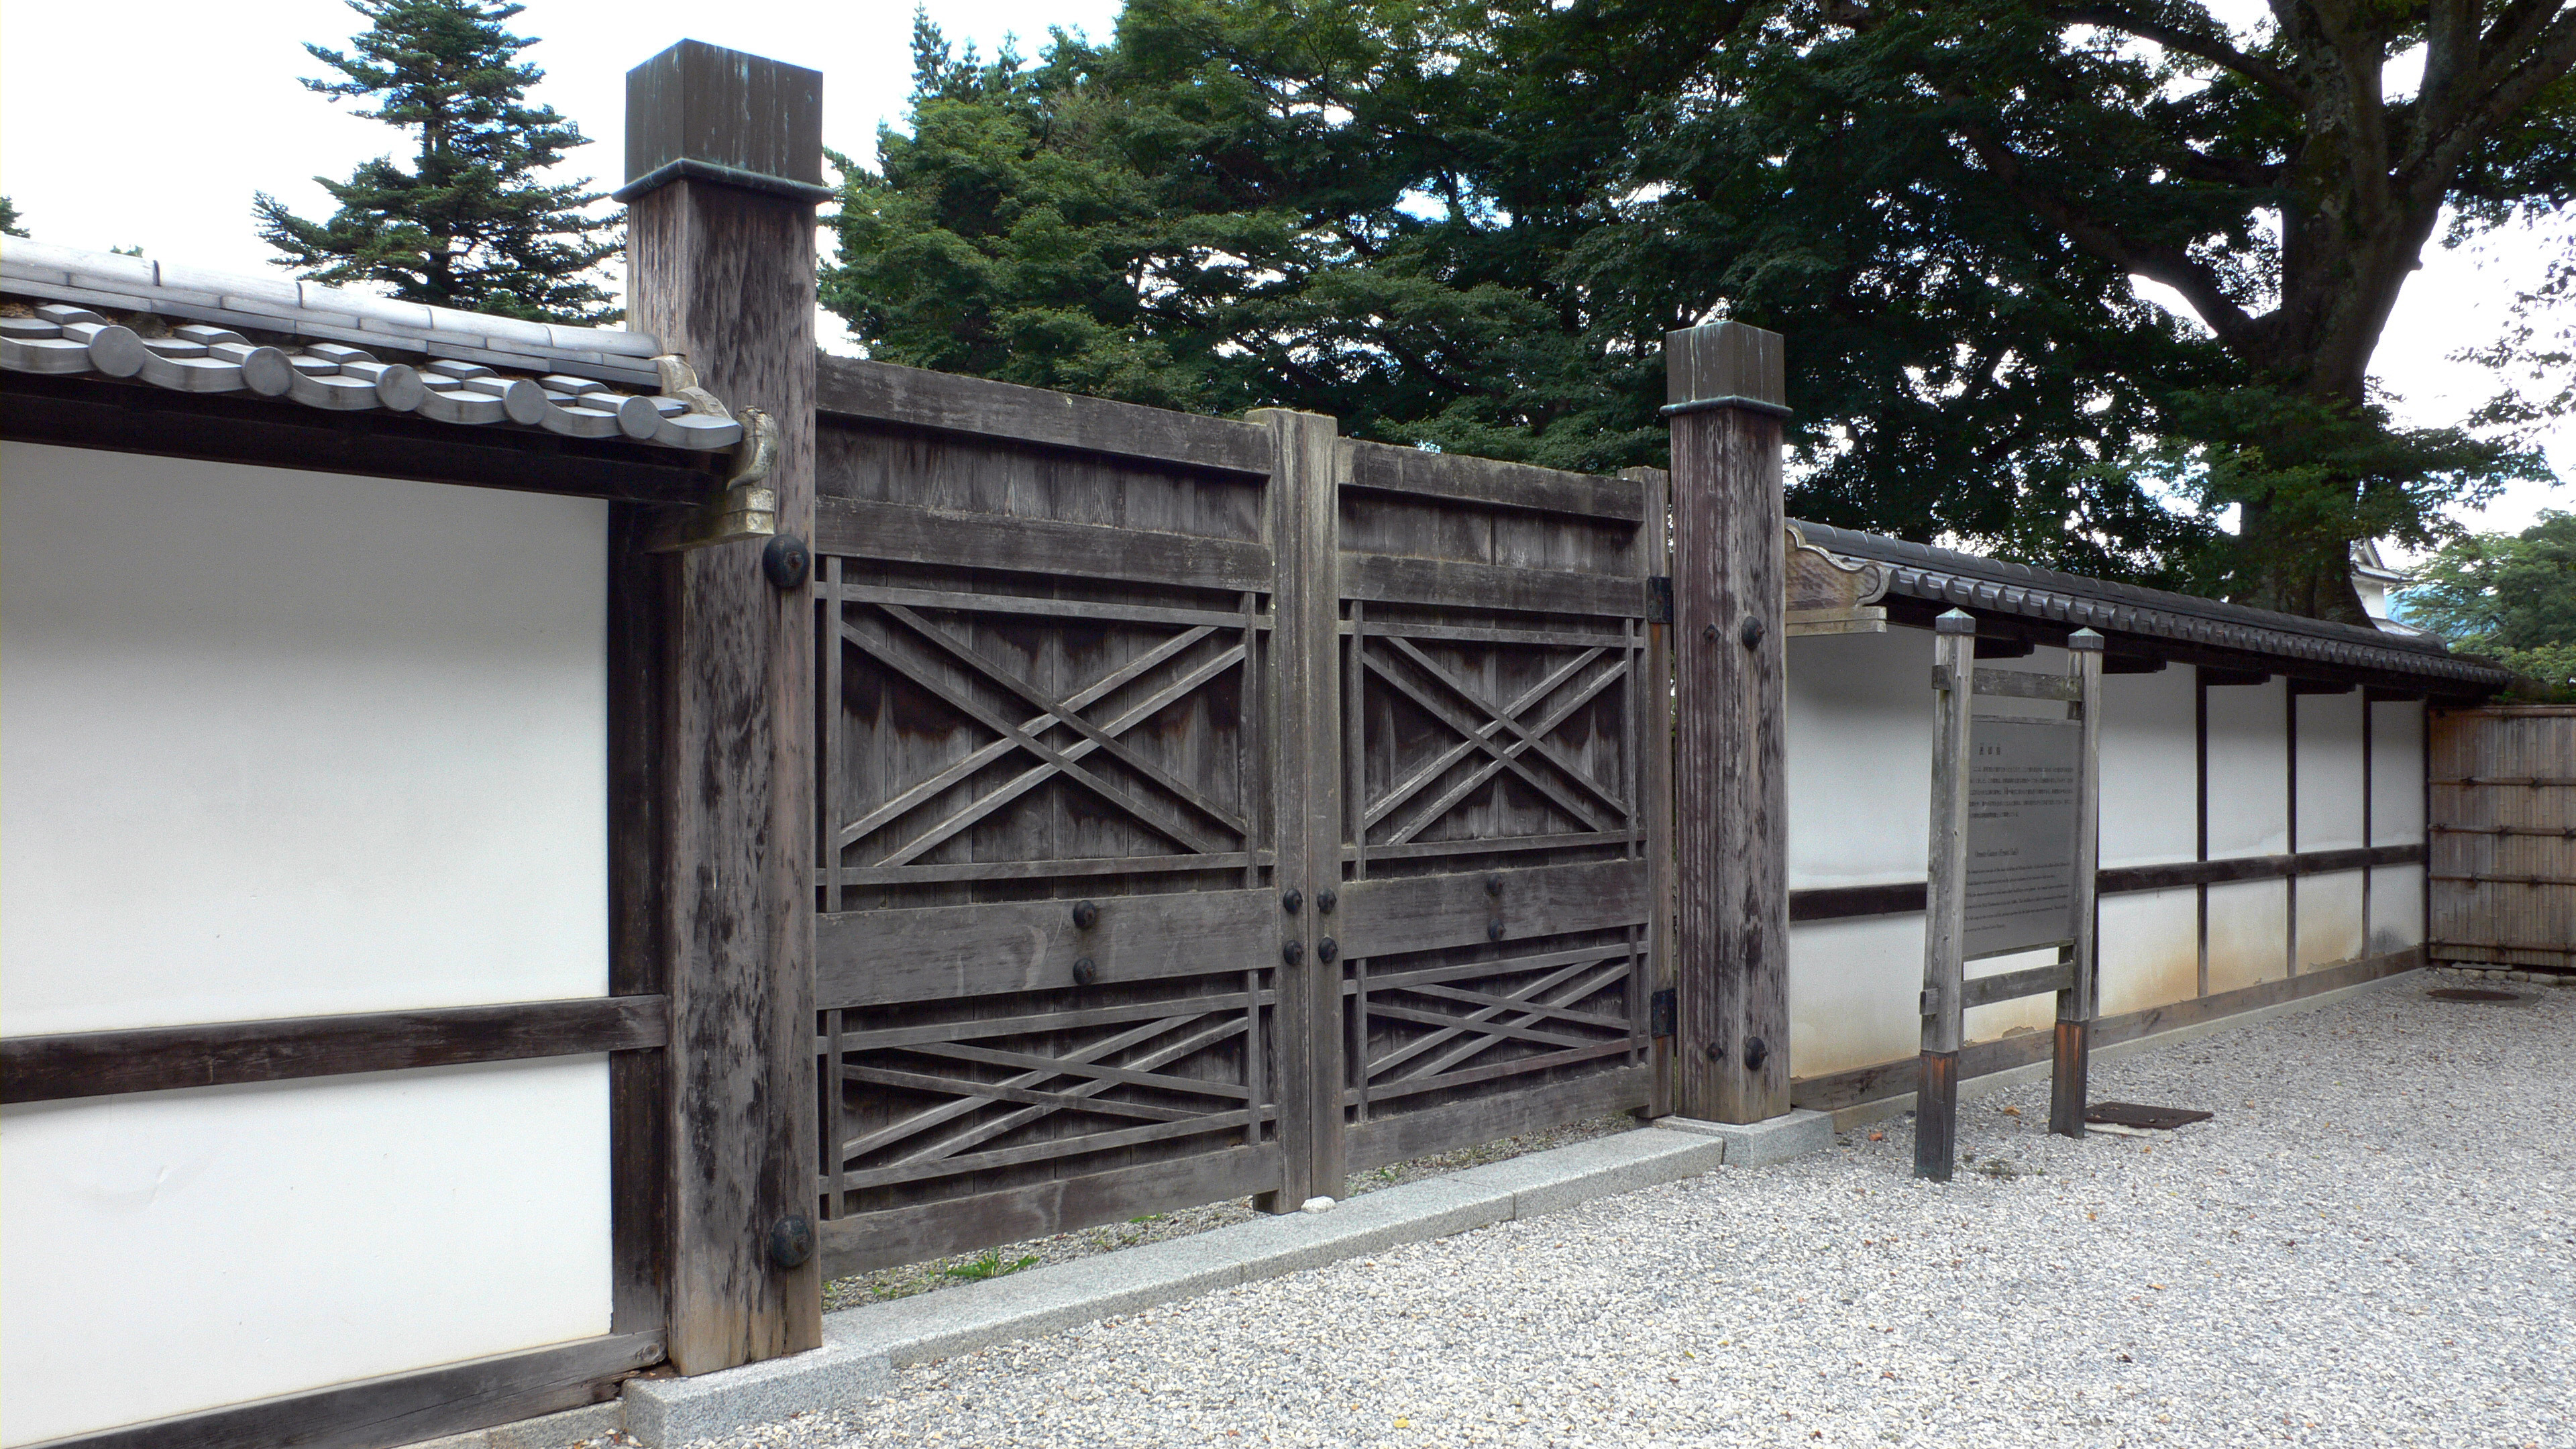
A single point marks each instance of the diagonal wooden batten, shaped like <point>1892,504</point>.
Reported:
<point>1503,758</point>
<point>1046,1151</point>
<point>1475,1020</point>
<point>1439,764</point>
<point>1070,719</point>
<point>1054,1101</point>
<point>1083,698</point>
<point>1116,1074</point>
<point>1521,1066</point>
<point>1524,1030</point>
<point>1197,1041</point>
<point>946,1112</point>
<point>878,645</point>
<point>1085,611</point>
<point>1406,980</point>
<point>1469,997</point>
<point>1533,739</point>
<point>1465,1051</point>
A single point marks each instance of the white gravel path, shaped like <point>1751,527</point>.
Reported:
<point>2373,1243</point>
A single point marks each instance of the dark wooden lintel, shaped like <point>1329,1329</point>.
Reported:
<point>132,417</point>
<point>2216,677</point>
<point>1834,903</point>
<point>2003,646</point>
<point>2321,686</point>
<point>2132,664</point>
<point>162,1058</point>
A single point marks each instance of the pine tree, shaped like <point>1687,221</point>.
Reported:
<point>470,225</point>
<point>9,219</point>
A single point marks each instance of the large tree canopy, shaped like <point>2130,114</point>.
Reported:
<point>1469,226</point>
<point>2509,595</point>
<point>470,224</point>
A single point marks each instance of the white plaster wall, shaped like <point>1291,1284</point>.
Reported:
<point>2330,783</point>
<point>276,744</point>
<point>2396,908</point>
<point>2150,945</point>
<point>2396,773</point>
<point>2330,926</point>
<point>1853,985</point>
<point>2249,933</point>
<point>175,1251</point>
<point>307,743</point>
<point>2006,1018</point>
<point>2150,769</point>
<point>2249,757</point>
<point>1859,758</point>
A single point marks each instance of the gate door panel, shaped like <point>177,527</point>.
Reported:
<point>1048,935</point>
<point>1497,934</point>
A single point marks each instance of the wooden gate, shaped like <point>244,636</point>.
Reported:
<point>2502,876</point>
<point>1208,807</point>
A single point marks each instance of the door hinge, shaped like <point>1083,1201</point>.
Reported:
<point>1659,599</point>
<point>1661,1012</point>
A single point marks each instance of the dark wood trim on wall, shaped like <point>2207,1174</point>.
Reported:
<point>639,1083</point>
<point>2290,811</point>
<point>402,1408</point>
<point>162,1058</point>
<point>2200,849</point>
<point>1834,903</point>
<point>1886,1080</point>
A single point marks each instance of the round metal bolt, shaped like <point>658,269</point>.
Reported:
<point>1494,884</point>
<point>1293,901</point>
<point>1325,900</point>
<point>791,1242</point>
<point>1327,949</point>
<point>1085,971</point>
<point>1086,915</point>
<point>1717,1051</point>
<point>1293,951</point>
<point>1494,929</point>
<point>1755,1053</point>
<point>786,561</point>
<point>1750,631</point>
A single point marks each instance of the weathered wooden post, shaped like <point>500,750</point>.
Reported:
<point>724,167</point>
<point>1728,392</point>
<point>2081,1001</point>
<point>1945,919</point>
<point>1304,527</point>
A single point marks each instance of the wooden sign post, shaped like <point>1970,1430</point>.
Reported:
<point>2015,826</point>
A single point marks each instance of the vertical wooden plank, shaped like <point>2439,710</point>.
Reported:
<point>2367,840</point>
<point>1654,744</point>
<point>1355,740</point>
<point>2200,755</point>
<point>828,712</point>
<point>2080,1003</point>
<point>2290,774</point>
<point>1936,1104</point>
<point>724,274</point>
<point>1727,390</point>
<point>639,1083</point>
<point>1307,784</point>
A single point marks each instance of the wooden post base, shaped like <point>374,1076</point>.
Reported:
<point>2067,1082</point>
<point>1936,1117</point>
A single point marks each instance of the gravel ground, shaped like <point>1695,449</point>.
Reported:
<point>2372,1244</point>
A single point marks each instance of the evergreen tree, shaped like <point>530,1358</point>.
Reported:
<point>2508,595</point>
<point>1468,224</point>
<point>9,219</point>
<point>470,224</point>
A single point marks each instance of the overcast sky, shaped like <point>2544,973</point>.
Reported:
<point>151,122</point>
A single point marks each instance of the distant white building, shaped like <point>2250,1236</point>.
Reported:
<point>2372,578</point>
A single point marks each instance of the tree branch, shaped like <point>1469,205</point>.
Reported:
<point>2212,48</point>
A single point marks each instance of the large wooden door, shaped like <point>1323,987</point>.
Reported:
<point>1210,808</point>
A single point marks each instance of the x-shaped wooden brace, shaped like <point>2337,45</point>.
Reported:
<point>880,644</point>
<point>1529,1005</point>
<point>1499,719</point>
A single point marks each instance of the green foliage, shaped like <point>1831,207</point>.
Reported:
<point>988,1265</point>
<point>9,219</point>
<point>1469,226</point>
<point>469,225</point>
<point>2511,597</point>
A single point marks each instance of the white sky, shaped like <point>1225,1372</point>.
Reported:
<point>151,123</point>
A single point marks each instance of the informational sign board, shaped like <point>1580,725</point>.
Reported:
<point>2025,780</point>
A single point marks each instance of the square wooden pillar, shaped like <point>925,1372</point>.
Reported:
<point>714,728</point>
<point>1727,394</point>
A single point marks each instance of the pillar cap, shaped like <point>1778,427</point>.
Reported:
<point>1955,621</point>
<point>702,112</point>
<point>1724,365</point>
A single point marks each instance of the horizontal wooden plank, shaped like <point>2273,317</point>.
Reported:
<point>403,1408</point>
<point>1832,903</point>
<point>2532,781</point>
<point>1479,1120</point>
<point>1416,913</point>
<point>162,1058</point>
<point>1450,583</point>
<point>2025,684</point>
<point>846,387</point>
<point>922,1231</point>
<point>1979,991</point>
<point>1086,610</point>
<point>940,953</point>
<point>986,870</point>
<point>1884,1081</point>
<point>858,528</point>
<point>1387,468</point>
